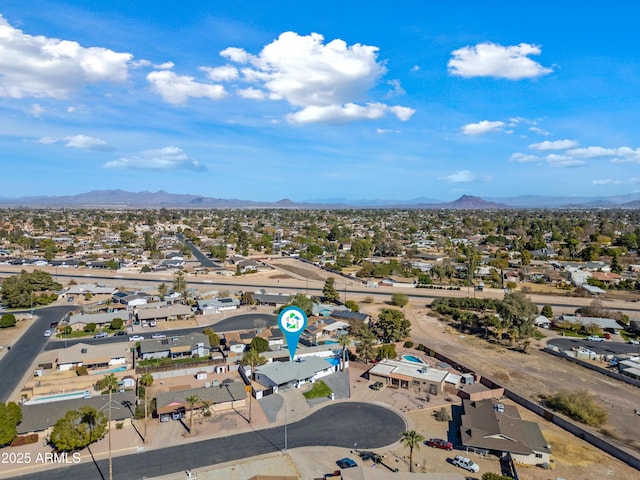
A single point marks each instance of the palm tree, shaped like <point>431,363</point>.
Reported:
<point>411,439</point>
<point>110,382</point>
<point>162,290</point>
<point>344,341</point>
<point>145,381</point>
<point>191,400</point>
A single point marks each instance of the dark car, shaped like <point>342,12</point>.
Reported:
<point>120,333</point>
<point>439,443</point>
<point>346,463</point>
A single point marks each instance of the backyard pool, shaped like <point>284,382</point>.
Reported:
<point>58,397</point>
<point>411,358</point>
<point>100,372</point>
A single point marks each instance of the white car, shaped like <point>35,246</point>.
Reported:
<point>595,338</point>
<point>136,338</point>
<point>48,333</point>
<point>634,342</point>
<point>466,463</point>
<point>158,335</point>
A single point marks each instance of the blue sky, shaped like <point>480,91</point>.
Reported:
<point>270,100</point>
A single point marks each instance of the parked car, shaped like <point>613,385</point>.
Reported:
<point>158,335</point>
<point>136,338</point>
<point>120,333</point>
<point>595,338</point>
<point>377,386</point>
<point>466,463</point>
<point>346,462</point>
<point>634,342</point>
<point>152,323</point>
<point>101,335</point>
<point>48,333</point>
<point>176,415</point>
<point>439,443</point>
<point>165,417</point>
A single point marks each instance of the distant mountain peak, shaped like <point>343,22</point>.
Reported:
<point>473,203</point>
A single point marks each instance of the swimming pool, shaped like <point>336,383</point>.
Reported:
<point>411,358</point>
<point>100,372</point>
<point>333,361</point>
<point>58,397</point>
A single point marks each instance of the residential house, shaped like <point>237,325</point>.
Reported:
<point>190,345</point>
<point>102,320</point>
<point>493,427</point>
<point>409,375</point>
<point>218,305</point>
<point>92,356</point>
<point>608,324</point>
<point>224,396</point>
<point>168,312</point>
<point>293,374</point>
<point>271,299</point>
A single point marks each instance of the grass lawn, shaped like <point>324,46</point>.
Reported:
<point>319,390</point>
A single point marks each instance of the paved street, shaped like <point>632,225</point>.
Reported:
<point>16,363</point>
<point>338,424</point>
<point>601,348</point>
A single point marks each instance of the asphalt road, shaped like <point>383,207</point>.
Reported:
<point>237,322</point>
<point>201,257</point>
<point>338,424</point>
<point>16,362</point>
<point>601,348</point>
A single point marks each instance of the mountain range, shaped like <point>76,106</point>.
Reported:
<point>124,199</point>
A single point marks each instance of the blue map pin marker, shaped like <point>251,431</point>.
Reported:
<point>292,322</point>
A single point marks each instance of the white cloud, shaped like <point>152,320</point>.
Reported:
<point>382,131</point>
<point>36,110</point>
<point>87,142</point>
<point>554,145</point>
<point>415,68</point>
<point>540,131</point>
<point>225,73</point>
<point>78,141</point>
<point>396,88</point>
<point>252,93</point>
<point>562,161</point>
<point>493,60</point>
<point>523,158</point>
<point>177,89</point>
<point>621,154</point>
<point>323,80</point>
<point>156,66</point>
<point>485,126</point>
<point>167,158</point>
<point>611,181</point>
<point>37,66</point>
<point>461,176</point>
<point>46,140</point>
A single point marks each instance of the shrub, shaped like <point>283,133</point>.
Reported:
<point>421,347</point>
<point>90,327</point>
<point>408,344</point>
<point>367,300</point>
<point>495,476</point>
<point>7,320</point>
<point>119,425</point>
<point>579,405</point>
<point>82,371</point>
<point>24,440</point>
<point>442,415</point>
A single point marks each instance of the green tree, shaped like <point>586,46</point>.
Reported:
<point>411,439</point>
<point>78,428</point>
<point>163,289</point>
<point>399,299</point>
<point>392,325</point>
<point>25,289</point>
<point>301,301</point>
<point>345,342</point>
<point>7,320</point>
<point>352,305</point>
<point>214,338</point>
<point>387,350</point>
<point>329,291</point>
<point>247,298</point>
<point>192,400</point>
<point>252,358</point>
<point>547,311</point>
<point>495,476</point>
<point>180,284</point>
<point>144,382</point>
<point>10,417</point>
<point>90,327</point>
<point>127,237</point>
<point>518,314</point>
<point>117,324</point>
<point>364,340</point>
<point>259,344</point>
